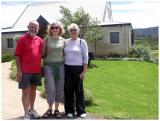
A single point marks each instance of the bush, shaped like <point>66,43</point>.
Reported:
<point>7,57</point>
<point>43,94</point>
<point>140,51</point>
<point>13,70</point>
<point>88,98</point>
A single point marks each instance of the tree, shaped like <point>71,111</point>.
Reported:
<point>89,28</point>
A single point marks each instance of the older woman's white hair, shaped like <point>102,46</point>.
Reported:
<point>73,26</point>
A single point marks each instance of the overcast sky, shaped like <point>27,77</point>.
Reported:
<point>141,13</point>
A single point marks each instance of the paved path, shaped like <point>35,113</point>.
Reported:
<point>11,99</point>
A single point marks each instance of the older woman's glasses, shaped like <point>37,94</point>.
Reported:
<point>54,27</point>
<point>73,30</point>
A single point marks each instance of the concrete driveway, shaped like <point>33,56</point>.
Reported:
<point>11,97</point>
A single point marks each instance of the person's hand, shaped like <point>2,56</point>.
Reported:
<point>19,76</point>
<point>82,75</point>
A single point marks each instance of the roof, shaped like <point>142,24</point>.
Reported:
<point>51,12</point>
<point>11,30</point>
<point>113,23</point>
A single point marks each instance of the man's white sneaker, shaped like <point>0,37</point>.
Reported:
<point>83,115</point>
<point>70,115</point>
<point>26,117</point>
<point>33,114</point>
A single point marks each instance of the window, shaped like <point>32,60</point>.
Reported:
<point>10,43</point>
<point>114,37</point>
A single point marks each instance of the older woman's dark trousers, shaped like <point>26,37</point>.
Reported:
<point>74,87</point>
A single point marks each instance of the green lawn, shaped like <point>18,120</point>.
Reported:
<point>124,89</point>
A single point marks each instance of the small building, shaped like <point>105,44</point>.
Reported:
<point>117,39</point>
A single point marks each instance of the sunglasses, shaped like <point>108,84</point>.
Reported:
<point>71,30</point>
<point>54,27</point>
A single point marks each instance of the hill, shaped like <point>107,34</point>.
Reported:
<point>151,32</point>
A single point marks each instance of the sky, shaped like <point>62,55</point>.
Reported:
<point>141,13</point>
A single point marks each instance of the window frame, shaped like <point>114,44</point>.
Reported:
<point>10,43</point>
<point>115,43</point>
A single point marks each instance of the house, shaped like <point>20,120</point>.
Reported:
<point>117,37</point>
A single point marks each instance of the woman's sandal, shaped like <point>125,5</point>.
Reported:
<point>47,114</point>
<point>57,114</point>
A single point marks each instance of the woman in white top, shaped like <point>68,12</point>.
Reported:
<point>76,60</point>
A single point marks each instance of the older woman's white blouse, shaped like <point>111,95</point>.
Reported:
<point>75,53</point>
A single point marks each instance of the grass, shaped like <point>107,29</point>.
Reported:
<point>124,89</point>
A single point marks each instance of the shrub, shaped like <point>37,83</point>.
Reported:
<point>88,98</point>
<point>13,70</point>
<point>140,51</point>
<point>43,94</point>
<point>7,57</point>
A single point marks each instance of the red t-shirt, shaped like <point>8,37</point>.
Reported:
<point>30,52</point>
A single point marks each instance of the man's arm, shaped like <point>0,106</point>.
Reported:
<point>19,70</point>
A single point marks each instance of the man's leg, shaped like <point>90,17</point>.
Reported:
<point>32,96</point>
<point>35,81</point>
<point>32,113</point>
<point>26,99</point>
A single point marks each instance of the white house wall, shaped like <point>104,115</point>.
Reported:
<point>5,49</point>
<point>124,39</point>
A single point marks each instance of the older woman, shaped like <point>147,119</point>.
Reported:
<point>76,60</point>
<point>54,68</point>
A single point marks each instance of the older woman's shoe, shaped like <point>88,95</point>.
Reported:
<point>83,115</point>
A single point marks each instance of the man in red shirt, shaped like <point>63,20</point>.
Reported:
<point>28,55</point>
